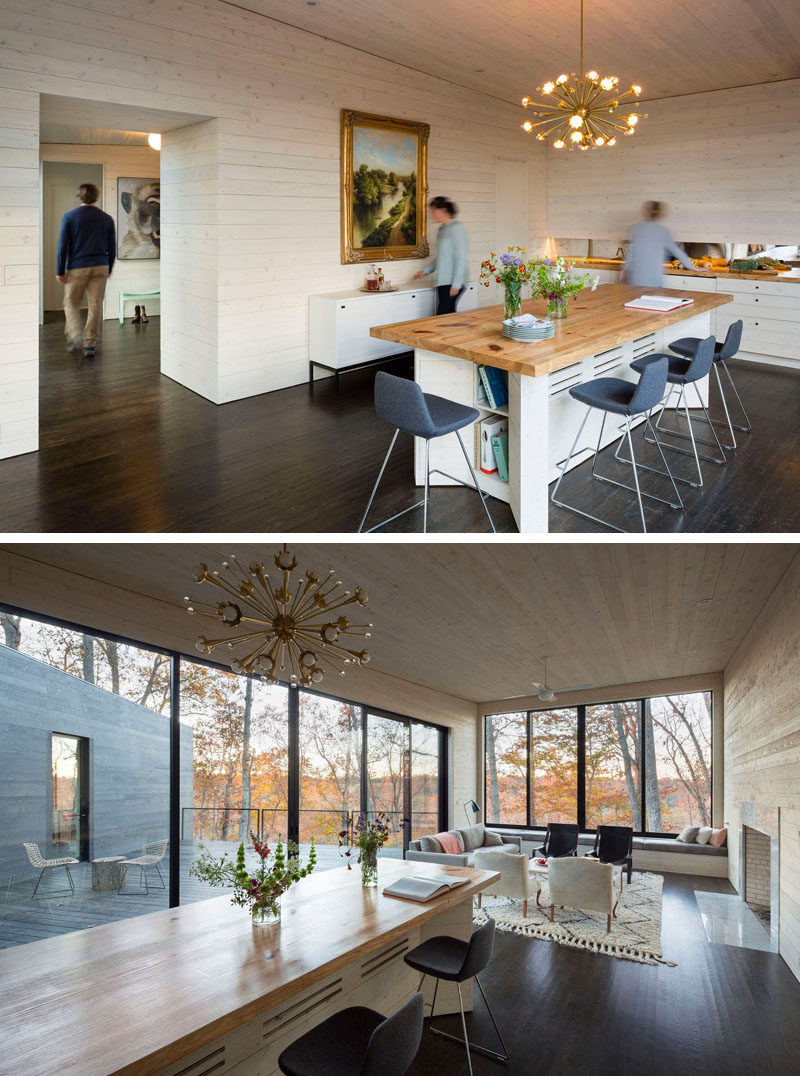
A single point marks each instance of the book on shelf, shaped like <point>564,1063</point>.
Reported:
<point>481,398</point>
<point>495,385</point>
<point>423,889</point>
<point>490,427</point>
<point>500,449</point>
<point>658,302</point>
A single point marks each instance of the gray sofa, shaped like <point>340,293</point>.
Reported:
<point>428,850</point>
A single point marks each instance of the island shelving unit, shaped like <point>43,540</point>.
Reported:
<point>599,338</point>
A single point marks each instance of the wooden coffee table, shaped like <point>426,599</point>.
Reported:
<point>539,869</point>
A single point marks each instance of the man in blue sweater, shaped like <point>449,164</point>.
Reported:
<point>87,246</point>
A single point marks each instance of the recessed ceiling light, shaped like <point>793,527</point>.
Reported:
<point>310,3</point>
<point>480,70</point>
<point>703,603</point>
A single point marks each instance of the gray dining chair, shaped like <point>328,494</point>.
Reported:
<point>404,405</point>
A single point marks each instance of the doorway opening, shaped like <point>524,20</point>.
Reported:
<point>69,775</point>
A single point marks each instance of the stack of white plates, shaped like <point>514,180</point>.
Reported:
<point>542,330</point>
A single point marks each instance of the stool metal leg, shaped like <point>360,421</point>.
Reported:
<point>427,486</point>
<point>748,427</point>
<point>475,481</point>
<point>495,1055</point>
<point>722,458</point>
<point>635,474</point>
<point>375,487</point>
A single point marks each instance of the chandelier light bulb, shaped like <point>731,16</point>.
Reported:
<point>633,119</point>
<point>636,89</point>
<point>559,143</point>
<point>527,126</point>
<point>576,121</point>
<point>630,130</point>
<point>611,142</point>
<point>592,75</point>
<point>548,87</point>
<point>541,136</point>
<point>607,83</point>
<point>599,141</point>
<point>562,79</point>
<point>576,136</point>
<point>525,102</point>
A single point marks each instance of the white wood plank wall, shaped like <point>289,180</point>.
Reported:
<point>723,162</point>
<point>19,272</point>
<point>273,238</point>
<point>135,162</point>
<point>762,743</point>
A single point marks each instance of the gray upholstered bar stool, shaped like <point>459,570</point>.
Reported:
<point>358,1042</point>
<point>615,396</point>
<point>456,961</point>
<point>681,373</point>
<point>404,405</point>
<point>687,346</point>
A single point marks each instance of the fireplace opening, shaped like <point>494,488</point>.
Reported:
<point>757,857</point>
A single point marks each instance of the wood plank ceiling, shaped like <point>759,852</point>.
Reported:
<point>474,620</point>
<point>505,50</point>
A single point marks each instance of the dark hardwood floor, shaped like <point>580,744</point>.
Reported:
<point>723,1011</point>
<point>124,449</point>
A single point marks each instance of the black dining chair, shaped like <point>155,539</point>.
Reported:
<point>561,839</point>
<point>455,960</point>
<point>614,844</point>
<point>358,1042</point>
<point>404,405</point>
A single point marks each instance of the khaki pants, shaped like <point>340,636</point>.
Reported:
<point>91,280</point>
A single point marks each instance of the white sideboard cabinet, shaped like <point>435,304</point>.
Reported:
<point>340,322</point>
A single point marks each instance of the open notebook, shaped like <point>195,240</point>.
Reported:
<point>658,302</point>
<point>423,889</point>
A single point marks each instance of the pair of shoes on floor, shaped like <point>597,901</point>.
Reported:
<point>141,315</point>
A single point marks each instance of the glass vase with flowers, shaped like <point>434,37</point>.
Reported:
<point>367,835</point>
<point>512,272</point>
<point>553,279</point>
<point>261,887</point>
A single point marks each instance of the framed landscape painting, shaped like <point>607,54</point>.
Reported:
<point>384,188</point>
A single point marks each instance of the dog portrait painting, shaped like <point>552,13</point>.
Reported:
<point>138,218</point>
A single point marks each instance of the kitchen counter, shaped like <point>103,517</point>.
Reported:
<point>615,264</point>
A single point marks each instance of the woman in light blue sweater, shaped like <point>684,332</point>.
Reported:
<point>450,263</point>
<point>651,245</point>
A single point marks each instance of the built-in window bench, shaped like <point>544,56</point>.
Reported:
<point>649,853</point>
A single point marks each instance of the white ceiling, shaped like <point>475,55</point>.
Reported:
<point>507,49</point>
<point>73,121</point>
<point>474,620</point>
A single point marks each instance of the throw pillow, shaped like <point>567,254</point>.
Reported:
<point>472,837</point>
<point>688,835</point>
<point>718,837</point>
<point>429,844</point>
<point>703,834</point>
<point>490,839</point>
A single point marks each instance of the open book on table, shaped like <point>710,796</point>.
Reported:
<point>423,889</point>
<point>658,302</point>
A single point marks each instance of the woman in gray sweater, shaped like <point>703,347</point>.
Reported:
<point>450,263</point>
<point>651,245</point>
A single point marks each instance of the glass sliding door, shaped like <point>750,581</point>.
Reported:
<point>331,743</point>
<point>613,765</point>
<point>387,762</point>
<point>425,799</point>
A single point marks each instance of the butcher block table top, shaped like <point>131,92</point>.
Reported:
<point>134,996</point>
<point>790,277</point>
<point>597,321</point>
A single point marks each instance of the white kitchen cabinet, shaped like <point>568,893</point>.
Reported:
<point>340,322</point>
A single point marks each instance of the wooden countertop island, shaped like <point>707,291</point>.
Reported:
<point>198,989</point>
<point>600,337</point>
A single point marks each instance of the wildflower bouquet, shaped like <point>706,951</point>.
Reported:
<point>551,280</point>
<point>513,272</point>
<point>259,890</point>
<point>367,836</point>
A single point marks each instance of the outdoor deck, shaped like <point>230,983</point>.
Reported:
<point>55,910</point>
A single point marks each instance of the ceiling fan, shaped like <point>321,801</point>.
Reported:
<point>545,692</point>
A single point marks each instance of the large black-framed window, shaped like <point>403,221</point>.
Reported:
<point>292,761</point>
<point>644,762</point>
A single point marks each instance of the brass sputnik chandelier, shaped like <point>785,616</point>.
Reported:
<point>576,114</point>
<point>285,629</point>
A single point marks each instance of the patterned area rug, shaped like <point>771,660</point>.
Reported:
<point>635,933</point>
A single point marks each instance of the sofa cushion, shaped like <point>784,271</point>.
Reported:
<point>513,848</point>
<point>491,839</point>
<point>429,844</point>
<point>688,835</point>
<point>703,834</point>
<point>472,837</point>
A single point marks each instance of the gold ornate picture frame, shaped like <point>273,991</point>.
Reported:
<point>384,188</point>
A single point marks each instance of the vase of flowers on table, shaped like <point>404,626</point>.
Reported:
<point>552,279</point>
<point>512,272</point>
<point>259,889</point>
<point>367,836</point>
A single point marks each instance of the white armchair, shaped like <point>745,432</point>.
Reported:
<point>584,884</point>
<point>515,880</point>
